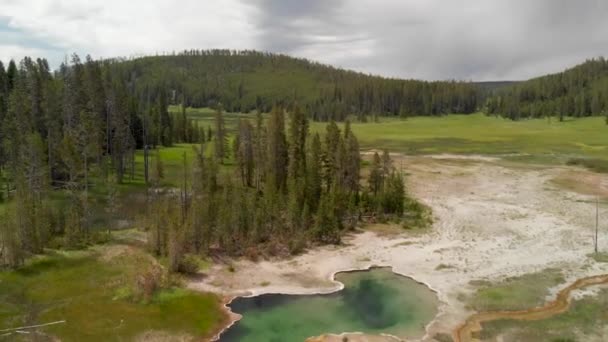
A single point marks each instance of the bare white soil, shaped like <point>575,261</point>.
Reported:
<point>491,221</point>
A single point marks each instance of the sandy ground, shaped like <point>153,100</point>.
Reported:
<point>491,221</point>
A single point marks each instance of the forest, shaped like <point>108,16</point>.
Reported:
<point>70,139</point>
<point>579,91</point>
<point>243,81</point>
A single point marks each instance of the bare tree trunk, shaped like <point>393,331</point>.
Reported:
<point>597,219</point>
<point>86,174</point>
<point>146,162</point>
<point>185,190</point>
<point>132,164</point>
<point>49,154</point>
<point>85,205</point>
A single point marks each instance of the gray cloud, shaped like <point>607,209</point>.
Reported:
<point>428,39</point>
<point>433,39</point>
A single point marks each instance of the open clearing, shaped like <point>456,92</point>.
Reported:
<point>493,221</point>
<point>538,140</point>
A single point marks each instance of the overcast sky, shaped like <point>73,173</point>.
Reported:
<point>427,39</point>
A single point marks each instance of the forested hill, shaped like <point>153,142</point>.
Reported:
<point>578,91</point>
<point>493,86</point>
<point>247,80</point>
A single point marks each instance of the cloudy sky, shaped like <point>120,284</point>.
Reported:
<point>427,39</point>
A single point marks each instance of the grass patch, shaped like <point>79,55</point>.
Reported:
<point>593,164</point>
<point>480,134</point>
<point>384,229</point>
<point>444,267</point>
<point>442,337</point>
<point>94,296</point>
<point>204,117</point>
<point>516,293</point>
<point>584,321</point>
<point>416,215</point>
<point>530,141</point>
<point>599,257</point>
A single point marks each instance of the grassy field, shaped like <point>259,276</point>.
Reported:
<point>536,140</point>
<point>582,322</point>
<point>599,257</point>
<point>515,293</point>
<point>92,291</point>
<point>480,134</point>
<point>205,117</point>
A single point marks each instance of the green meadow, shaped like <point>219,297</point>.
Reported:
<point>205,116</point>
<point>481,134</point>
<point>92,291</point>
<point>539,140</point>
<point>582,322</point>
<point>515,293</point>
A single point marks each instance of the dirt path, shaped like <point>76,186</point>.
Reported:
<point>465,332</point>
<point>492,221</point>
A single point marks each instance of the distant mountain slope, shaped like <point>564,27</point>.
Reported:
<point>492,86</point>
<point>578,91</point>
<point>246,80</point>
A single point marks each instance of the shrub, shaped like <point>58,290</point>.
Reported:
<point>146,284</point>
<point>188,264</point>
<point>296,246</point>
<point>252,253</point>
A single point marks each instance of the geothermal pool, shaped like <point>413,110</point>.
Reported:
<point>374,301</point>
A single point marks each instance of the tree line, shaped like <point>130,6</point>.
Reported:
<point>579,92</point>
<point>289,188</point>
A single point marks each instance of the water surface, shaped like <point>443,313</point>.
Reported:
<point>373,301</point>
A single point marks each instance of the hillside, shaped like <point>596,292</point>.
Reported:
<point>246,80</point>
<point>579,91</point>
<point>493,86</point>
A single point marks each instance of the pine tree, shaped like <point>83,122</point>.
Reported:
<point>314,181</point>
<point>394,194</point>
<point>220,140</point>
<point>11,254</point>
<point>353,160</point>
<point>330,156</point>
<point>387,163</point>
<point>96,105</point>
<point>3,93</point>
<point>298,132</point>
<point>175,240</point>
<point>11,75</point>
<point>277,156</point>
<point>326,228</point>
<point>376,175</point>
<point>159,170</point>
<point>259,150</point>
<point>184,135</point>
<point>245,152</point>
<point>198,235</point>
<point>166,123</point>
<point>32,191</point>
<point>74,230</point>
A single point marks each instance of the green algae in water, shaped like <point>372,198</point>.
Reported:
<point>374,301</point>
